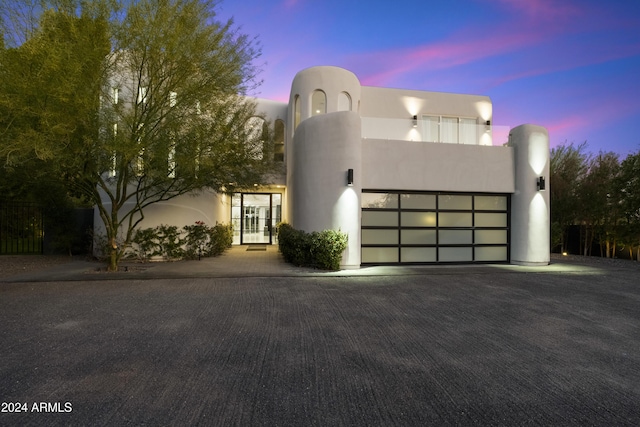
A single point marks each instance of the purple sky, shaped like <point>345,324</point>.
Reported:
<point>572,66</point>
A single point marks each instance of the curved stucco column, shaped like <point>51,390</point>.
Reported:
<point>326,147</point>
<point>530,210</point>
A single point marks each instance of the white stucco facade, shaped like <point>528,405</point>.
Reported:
<point>428,184</point>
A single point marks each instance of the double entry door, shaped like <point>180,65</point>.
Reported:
<point>254,217</point>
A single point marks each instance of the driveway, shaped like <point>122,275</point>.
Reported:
<point>439,346</point>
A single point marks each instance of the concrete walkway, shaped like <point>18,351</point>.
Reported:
<point>265,261</point>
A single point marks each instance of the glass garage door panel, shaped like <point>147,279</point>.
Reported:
<point>455,254</point>
<point>418,255</point>
<point>487,237</point>
<point>418,201</point>
<point>418,219</point>
<point>491,220</point>
<point>491,253</point>
<point>379,219</point>
<point>490,203</point>
<point>380,237</point>
<point>379,255</point>
<point>418,237</point>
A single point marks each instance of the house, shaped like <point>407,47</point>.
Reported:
<point>411,176</point>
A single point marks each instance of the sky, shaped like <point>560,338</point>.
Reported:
<point>572,66</point>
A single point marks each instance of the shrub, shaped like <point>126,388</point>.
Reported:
<point>318,249</point>
<point>327,247</point>
<point>220,239</point>
<point>146,240</point>
<point>167,241</point>
<point>170,242</point>
<point>197,240</point>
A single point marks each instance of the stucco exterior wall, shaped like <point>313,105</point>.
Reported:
<point>530,208</point>
<point>326,147</point>
<point>403,104</point>
<point>423,166</point>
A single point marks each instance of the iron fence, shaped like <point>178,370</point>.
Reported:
<point>21,228</point>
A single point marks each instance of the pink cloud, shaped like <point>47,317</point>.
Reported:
<point>532,23</point>
<point>457,51</point>
<point>541,9</point>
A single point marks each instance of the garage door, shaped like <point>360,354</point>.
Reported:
<point>425,228</point>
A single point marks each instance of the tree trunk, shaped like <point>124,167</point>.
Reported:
<point>113,255</point>
<point>613,248</point>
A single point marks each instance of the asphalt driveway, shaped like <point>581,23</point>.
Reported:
<point>448,346</point>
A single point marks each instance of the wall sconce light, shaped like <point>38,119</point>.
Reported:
<point>488,123</point>
<point>350,177</point>
<point>414,120</point>
<point>541,184</point>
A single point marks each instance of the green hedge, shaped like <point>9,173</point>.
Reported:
<point>320,249</point>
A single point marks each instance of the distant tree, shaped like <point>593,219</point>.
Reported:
<point>134,105</point>
<point>628,188</point>
<point>567,168</point>
<point>599,204</point>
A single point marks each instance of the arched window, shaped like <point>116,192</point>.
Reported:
<point>318,103</point>
<point>296,112</point>
<point>344,102</point>
<point>278,149</point>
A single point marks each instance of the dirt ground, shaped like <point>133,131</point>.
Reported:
<point>10,265</point>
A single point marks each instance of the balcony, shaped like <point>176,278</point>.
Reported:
<point>448,130</point>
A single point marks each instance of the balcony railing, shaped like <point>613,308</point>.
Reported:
<point>419,130</point>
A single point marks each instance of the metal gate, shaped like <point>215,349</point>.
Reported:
<point>21,228</point>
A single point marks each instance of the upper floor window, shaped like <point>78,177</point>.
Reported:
<point>318,103</point>
<point>142,94</point>
<point>452,130</point>
<point>344,102</point>
<point>296,112</point>
<point>114,95</point>
<point>278,149</point>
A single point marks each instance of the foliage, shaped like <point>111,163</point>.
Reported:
<point>294,245</point>
<point>327,247</point>
<point>147,242</point>
<point>170,242</point>
<point>131,103</point>
<point>567,169</point>
<point>190,242</point>
<point>598,201</point>
<point>628,187</point>
<point>220,239</point>
<point>196,240</point>
<point>599,193</point>
<point>317,249</point>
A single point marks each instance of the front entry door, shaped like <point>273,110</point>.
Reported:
<point>254,216</point>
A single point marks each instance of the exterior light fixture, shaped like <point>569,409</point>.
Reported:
<point>488,123</point>
<point>541,184</point>
<point>414,120</point>
<point>350,177</point>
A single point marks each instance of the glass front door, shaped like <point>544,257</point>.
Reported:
<point>254,217</point>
